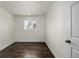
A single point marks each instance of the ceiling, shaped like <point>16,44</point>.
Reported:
<point>26,7</point>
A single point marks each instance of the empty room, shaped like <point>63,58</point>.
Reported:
<point>39,29</point>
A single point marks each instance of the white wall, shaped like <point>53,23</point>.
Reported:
<point>0,3</point>
<point>58,28</point>
<point>6,29</point>
<point>31,35</point>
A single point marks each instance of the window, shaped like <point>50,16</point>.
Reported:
<point>29,25</point>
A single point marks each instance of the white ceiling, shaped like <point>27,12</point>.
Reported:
<point>25,7</point>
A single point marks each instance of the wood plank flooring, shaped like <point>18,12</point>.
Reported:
<point>26,50</point>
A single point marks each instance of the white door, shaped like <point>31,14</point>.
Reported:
<point>74,41</point>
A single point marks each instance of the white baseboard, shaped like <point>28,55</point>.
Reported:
<point>29,41</point>
<point>6,46</point>
<point>51,49</point>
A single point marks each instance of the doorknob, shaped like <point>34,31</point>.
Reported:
<point>68,41</point>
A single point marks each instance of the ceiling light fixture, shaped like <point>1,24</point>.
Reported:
<point>29,14</point>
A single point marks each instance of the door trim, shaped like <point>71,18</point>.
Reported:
<point>71,23</point>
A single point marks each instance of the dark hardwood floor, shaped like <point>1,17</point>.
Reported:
<point>26,50</point>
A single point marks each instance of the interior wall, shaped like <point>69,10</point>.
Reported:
<point>30,35</point>
<point>58,28</point>
<point>0,3</point>
<point>6,28</point>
